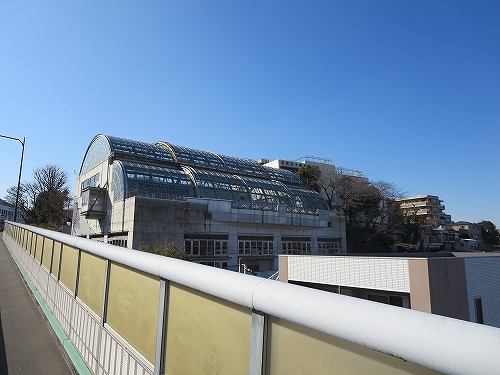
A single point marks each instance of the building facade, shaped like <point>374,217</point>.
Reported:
<point>223,211</point>
<point>6,212</point>
<point>428,206</point>
<point>458,285</point>
<point>472,230</point>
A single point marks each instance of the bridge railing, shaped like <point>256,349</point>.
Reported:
<point>129,312</point>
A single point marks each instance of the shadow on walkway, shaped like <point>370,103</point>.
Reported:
<point>3,355</point>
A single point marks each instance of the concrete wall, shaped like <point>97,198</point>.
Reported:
<point>448,287</point>
<point>483,280</point>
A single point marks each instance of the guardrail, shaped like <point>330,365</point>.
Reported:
<point>129,312</point>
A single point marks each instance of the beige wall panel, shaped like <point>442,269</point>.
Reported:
<point>133,299</point>
<point>69,262</point>
<point>293,349</point>
<point>91,281</point>
<point>55,259</point>
<point>206,335</point>
<point>420,295</point>
<point>47,252</point>
<point>283,268</point>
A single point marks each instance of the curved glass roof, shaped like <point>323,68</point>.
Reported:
<point>221,186</point>
<point>98,151</point>
<point>267,195</point>
<point>141,150</point>
<point>192,157</point>
<point>307,201</point>
<point>211,160</point>
<point>166,171</point>
<point>156,182</point>
<point>102,146</point>
<point>282,175</point>
<point>243,166</point>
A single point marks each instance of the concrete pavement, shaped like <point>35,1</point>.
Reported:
<point>27,342</point>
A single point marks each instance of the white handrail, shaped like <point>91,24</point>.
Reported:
<point>444,344</point>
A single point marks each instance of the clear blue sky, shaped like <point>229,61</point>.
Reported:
<point>406,91</point>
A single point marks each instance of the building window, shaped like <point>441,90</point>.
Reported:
<point>296,245</point>
<point>478,307</point>
<point>332,246</point>
<point>255,245</point>
<point>206,246</point>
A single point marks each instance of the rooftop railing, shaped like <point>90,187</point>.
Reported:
<point>129,312</point>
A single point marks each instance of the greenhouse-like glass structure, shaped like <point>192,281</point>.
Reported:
<point>165,171</point>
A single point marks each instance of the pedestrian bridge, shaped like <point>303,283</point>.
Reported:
<point>129,312</point>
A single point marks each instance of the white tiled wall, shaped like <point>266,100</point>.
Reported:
<point>389,274</point>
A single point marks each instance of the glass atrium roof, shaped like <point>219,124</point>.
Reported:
<point>142,150</point>
<point>166,171</point>
<point>156,182</point>
<point>307,200</point>
<point>98,151</point>
<point>282,175</point>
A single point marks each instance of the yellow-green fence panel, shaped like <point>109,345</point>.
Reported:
<point>205,334</point>
<point>56,259</point>
<point>30,244</point>
<point>38,247</point>
<point>47,252</point>
<point>294,349</point>
<point>69,262</point>
<point>132,310</point>
<point>91,278</point>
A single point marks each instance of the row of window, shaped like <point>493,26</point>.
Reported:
<point>255,247</point>
<point>90,182</point>
<point>329,247</point>
<point>6,214</point>
<point>205,247</point>
<point>211,247</point>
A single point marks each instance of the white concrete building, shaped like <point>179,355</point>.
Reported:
<point>454,284</point>
<point>223,211</point>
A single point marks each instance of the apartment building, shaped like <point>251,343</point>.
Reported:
<point>473,230</point>
<point>428,206</point>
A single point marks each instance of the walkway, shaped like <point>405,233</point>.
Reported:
<point>27,343</point>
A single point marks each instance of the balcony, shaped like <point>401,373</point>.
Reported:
<point>94,202</point>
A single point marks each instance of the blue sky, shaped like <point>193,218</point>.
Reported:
<point>406,91</point>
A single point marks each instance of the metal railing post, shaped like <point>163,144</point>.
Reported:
<point>160,332</point>
<point>257,343</point>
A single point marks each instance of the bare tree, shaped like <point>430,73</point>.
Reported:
<point>390,208</point>
<point>43,200</point>
<point>50,177</point>
<point>370,208</point>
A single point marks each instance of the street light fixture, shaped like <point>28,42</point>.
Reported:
<point>20,171</point>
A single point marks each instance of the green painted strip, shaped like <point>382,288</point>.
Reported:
<point>68,346</point>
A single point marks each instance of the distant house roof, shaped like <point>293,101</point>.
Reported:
<point>7,204</point>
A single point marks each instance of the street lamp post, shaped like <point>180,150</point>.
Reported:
<point>20,171</point>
